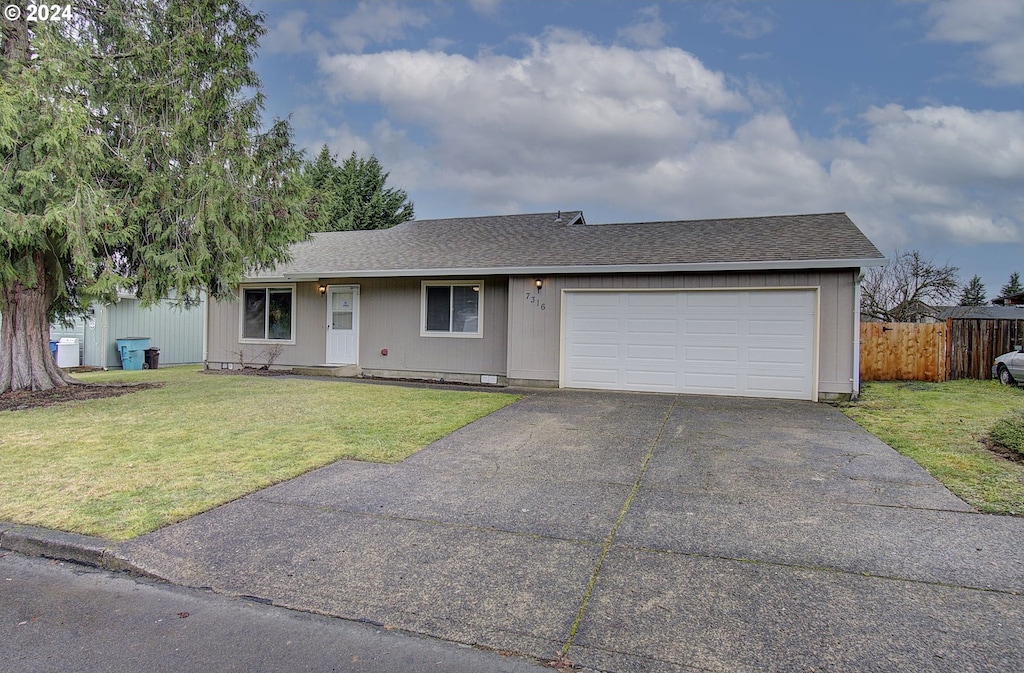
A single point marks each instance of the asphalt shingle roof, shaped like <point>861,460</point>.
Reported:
<point>539,241</point>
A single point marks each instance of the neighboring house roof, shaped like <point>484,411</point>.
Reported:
<point>981,312</point>
<point>564,243</point>
<point>1010,299</point>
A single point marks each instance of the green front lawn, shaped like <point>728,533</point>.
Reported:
<point>944,427</point>
<point>119,467</point>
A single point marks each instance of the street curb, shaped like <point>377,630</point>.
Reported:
<point>63,546</point>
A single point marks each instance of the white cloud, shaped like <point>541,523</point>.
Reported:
<point>376,23</point>
<point>566,106</point>
<point>648,30</point>
<point>997,26</point>
<point>972,227</point>
<point>286,36</point>
<point>369,23</point>
<point>935,173</point>
<point>946,146</point>
<point>744,23</point>
<point>654,134</point>
<point>974,20</point>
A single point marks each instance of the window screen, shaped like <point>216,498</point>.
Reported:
<point>439,305</point>
<point>255,314</point>
<point>267,313</point>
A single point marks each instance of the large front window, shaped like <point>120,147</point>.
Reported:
<point>451,309</point>
<point>267,313</point>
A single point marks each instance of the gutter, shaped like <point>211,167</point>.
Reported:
<point>781,265</point>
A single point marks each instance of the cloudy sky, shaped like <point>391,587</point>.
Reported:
<point>907,115</point>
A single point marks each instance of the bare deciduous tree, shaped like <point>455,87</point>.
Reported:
<point>908,288</point>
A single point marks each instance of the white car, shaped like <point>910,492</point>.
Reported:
<point>1009,367</point>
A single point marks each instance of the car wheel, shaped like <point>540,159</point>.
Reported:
<point>1004,376</point>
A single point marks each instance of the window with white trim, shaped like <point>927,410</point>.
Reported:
<point>267,313</point>
<point>451,309</point>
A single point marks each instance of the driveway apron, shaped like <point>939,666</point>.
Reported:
<point>635,532</point>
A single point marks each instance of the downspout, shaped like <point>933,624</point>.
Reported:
<point>205,297</point>
<point>104,335</point>
<point>855,379</point>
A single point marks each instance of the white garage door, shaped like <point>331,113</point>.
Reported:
<point>753,343</point>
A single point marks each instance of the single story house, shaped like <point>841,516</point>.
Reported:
<point>762,306</point>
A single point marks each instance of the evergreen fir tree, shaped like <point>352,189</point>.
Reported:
<point>1012,287</point>
<point>973,293</point>
<point>132,159</point>
<point>353,195</point>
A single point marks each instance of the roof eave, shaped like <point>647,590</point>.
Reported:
<point>693,267</point>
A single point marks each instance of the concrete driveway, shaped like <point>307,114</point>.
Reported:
<point>634,532</point>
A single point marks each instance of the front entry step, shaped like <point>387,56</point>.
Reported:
<point>339,371</point>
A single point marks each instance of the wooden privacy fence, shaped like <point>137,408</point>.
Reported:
<point>960,348</point>
<point>974,344</point>
<point>903,351</point>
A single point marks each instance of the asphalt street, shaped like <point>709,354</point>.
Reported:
<point>64,617</point>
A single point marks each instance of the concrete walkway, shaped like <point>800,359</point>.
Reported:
<point>630,532</point>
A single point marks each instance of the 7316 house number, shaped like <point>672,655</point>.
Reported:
<point>535,300</point>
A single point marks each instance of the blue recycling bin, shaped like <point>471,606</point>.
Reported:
<point>132,351</point>
<point>53,349</point>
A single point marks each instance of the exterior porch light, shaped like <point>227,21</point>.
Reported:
<point>539,283</point>
<point>321,288</point>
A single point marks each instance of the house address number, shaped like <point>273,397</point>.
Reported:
<point>536,301</point>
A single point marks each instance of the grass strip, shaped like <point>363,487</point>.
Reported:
<point>945,428</point>
<point>123,466</point>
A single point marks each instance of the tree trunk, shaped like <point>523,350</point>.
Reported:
<point>25,359</point>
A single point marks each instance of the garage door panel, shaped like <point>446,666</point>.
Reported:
<point>776,327</point>
<point>662,354</point>
<point>599,377</point>
<point>783,298</point>
<point>642,300</point>
<point>708,382</point>
<point>733,342</point>
<point>659,379</point>
<point>596,350</point>
<point>774,384</point>
<point>603,300</point>
<point>716,300</point>
<point>698,355</point>
<point>595,326</point>
<point>641,326</point>
<point>716,327</point>
<point>774,356</point>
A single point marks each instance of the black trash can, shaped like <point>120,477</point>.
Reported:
<point>152,358</point>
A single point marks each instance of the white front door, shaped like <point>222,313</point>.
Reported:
<point>343,324</point>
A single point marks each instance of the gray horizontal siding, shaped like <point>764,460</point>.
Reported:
<point>224,333</point>
<point>389,318</point>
